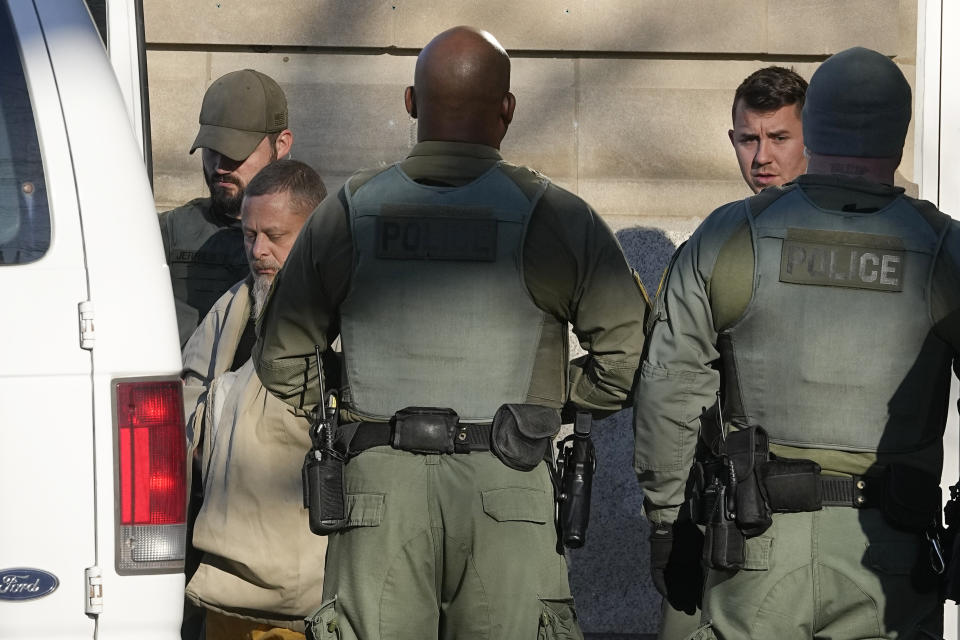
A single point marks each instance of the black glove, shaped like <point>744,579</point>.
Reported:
<point>675,566</point>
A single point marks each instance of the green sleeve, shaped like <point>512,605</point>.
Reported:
<point>574,269</point>
<point>945,289</point>
<point>301,311</point>
<point>678,379</point>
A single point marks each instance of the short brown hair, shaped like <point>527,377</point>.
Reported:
<point>304,185</point>
<point>769,89</point>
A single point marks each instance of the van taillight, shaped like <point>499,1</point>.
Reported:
<point>151,479</point>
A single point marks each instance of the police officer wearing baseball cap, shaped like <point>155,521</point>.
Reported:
<point>801,345</point>
<point>243,128</point>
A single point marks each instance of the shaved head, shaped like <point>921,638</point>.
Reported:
<point>461,89</point>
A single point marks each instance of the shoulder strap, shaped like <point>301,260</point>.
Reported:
<point>937,219</point>
<point>758,204</point>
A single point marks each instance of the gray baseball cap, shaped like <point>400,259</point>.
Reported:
<point>239,109</point>
<point>858,104</point>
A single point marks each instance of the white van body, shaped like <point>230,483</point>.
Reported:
<point>96,308</point>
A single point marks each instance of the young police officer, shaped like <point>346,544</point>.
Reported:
<point>825,316</point>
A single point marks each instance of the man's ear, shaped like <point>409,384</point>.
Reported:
<point>730,135</point>
<point>284,143</point>
<point>410,102</point>
<point>507,107</point>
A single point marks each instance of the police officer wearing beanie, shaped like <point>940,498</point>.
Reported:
<point>243,128</point>
<point>451,277</point>
<point>824,315</point>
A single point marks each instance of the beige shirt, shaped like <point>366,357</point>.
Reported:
<point>260,559</point>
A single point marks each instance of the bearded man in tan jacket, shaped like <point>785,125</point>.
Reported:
<point>261,571</point>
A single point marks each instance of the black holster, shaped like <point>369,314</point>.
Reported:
<point>723,542</point>
<point>732,500</point>
<point>576,463</point>
<point>748,450</point>
<point>951,540</point>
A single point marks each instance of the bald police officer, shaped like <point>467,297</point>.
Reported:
<point>243,128</point>
<point>451,277</point>
<point>825,316</point>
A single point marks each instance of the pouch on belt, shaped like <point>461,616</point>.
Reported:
<point>522,433</point>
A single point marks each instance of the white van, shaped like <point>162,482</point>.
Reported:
<point>92,505</point>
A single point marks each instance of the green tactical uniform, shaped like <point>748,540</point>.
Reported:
<point>470,315</point>
<point>205,254</point>
<point>827,312</point>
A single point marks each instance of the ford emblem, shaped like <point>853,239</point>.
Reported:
<point>26,584</point>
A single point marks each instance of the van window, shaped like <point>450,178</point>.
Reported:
<point>24,214</point>
<point>98,10</point>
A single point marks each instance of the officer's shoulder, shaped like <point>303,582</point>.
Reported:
<point>555,198</point>
<point>361,178</point>
<point>195,207</point>
<point>723,220</point>
<point>936,219</point>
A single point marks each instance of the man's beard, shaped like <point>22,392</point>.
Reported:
<point>221,202</point>
<point>261,288</point>
<point>262,284</point>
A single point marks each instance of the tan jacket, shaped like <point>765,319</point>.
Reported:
<point>261,561</point>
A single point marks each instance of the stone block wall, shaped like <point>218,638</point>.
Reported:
<point>625,102</point>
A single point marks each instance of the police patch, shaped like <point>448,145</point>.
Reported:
<point>440,233</point>
<point>842,259</point>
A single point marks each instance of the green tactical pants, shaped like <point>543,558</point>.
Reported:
<point>445,546</point>
<point>839,573</point>
<point>676,625</point>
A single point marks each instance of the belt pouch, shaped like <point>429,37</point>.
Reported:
<point>911,497</point>
<point>723,542</point>
<point>748,450</point>
<point>425,429</point>
<point>521,434</point>
<point>792,485</point>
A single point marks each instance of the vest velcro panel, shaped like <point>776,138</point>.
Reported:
<point>836,349</point>
<point>438,314</point>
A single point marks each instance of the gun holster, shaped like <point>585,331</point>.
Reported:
<point>731,498</point>
<point>576,463</point>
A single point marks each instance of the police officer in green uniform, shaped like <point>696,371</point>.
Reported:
<point>451,278</point>
<point>824,315</point>
<point>243,128</point>
<point>768,140</point>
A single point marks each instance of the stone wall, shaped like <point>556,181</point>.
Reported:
<point>625,102</point>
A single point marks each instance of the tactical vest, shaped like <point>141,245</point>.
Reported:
<point>835,349</point>
<point>437,314</point>
<point>206,258</point>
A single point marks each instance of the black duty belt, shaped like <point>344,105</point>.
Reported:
<point>858,492</point>
<point>465,438</point>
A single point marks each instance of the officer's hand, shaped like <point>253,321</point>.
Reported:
<point>675,566</point>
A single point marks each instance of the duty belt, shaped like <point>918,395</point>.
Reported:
<point>858,492</point>
<point>438,438</point>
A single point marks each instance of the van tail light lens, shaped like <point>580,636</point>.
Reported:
<point>151,478</point>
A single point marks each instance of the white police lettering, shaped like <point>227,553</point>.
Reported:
<point>841,265</point>
<point>12,583</point>
<point>889,270</point>
<point>869,274</point>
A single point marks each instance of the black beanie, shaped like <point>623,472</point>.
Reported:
<point>858,104</point>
